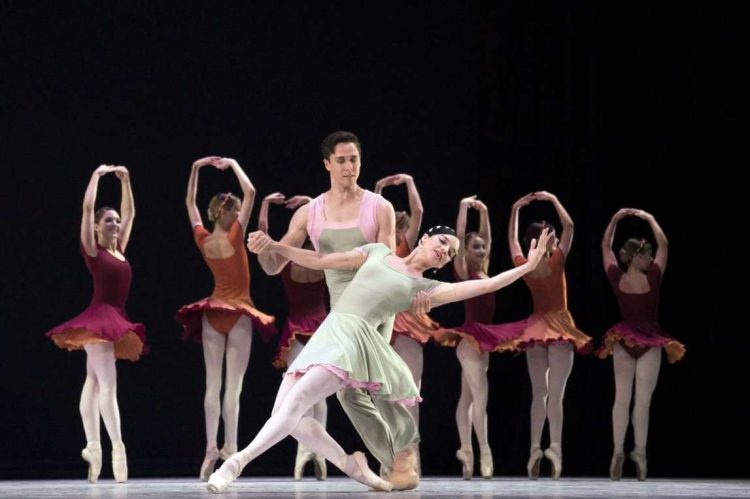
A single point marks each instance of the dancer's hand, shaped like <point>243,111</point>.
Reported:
<point>103,170</point>
<point>208,160</point>
<point>224,163</point>
<point>544,196</point>
<point>259,242</point>
<point>538,248</point>
<point>524,200</point>
<point>122,173</point>
<point>274,198</point>
<point>295,202</point>
<point>421,303</point>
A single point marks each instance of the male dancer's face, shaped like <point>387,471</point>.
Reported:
<point>343,164</point>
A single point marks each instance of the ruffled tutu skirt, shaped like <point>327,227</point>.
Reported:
<point>101,323</point>
<point>224,314</point>
<point>638,338</point>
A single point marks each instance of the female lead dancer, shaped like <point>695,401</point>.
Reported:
<point>347,350</point>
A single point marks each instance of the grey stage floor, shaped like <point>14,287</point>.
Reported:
<point>343,488</point>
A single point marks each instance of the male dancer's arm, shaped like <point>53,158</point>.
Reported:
<point>271,261</point>
<point>386,218</point>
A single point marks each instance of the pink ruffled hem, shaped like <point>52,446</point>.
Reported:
<point>371,386</point>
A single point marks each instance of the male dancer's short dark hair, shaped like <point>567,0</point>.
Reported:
<point>329,143</point>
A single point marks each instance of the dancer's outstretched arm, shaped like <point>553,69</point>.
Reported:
<point>459,291</point>
<point>260,243</point>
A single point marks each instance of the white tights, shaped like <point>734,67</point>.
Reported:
<point>645,372</point>
<point>472,404</point>
<point>236,345</point>
<point>320,409</point>
<point>99,394</point>
<point>549,368</point>
<point>411,351</point>
<point>295,398</point>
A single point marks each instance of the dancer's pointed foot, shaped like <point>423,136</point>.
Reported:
<point>92,454</point>
<point>209,463</point>
<point>321,470</point>
<point>467,463</point>
<point>220,480</point>
<point>615,466</point>
<point>535,462</point>
<point>486,466</point>
<point>555,459</point>
<point>641,467</point>
<point>304,456</point>
<point>119,462</point>
<point>356,467</point>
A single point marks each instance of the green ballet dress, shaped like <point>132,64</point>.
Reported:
<point>348,343</point>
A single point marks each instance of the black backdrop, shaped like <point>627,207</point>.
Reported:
<point>604,105</point>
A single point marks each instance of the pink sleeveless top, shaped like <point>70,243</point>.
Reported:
<point>367,221</point>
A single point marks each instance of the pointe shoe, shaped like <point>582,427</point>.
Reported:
<point>535,461</point>
<point>209,463</point>
<point>640,465</point>
<point>119,462</point>
<point>356,468</point>
<point>227,451</point>
<point>404,475</point>
<point>486,466</point>
<point>321,470</point>
<point>467,463</point>
<point>615,466</point>
<point>304,456</point>
<point>556,461</point>
<point>92,454</point>
<point>220,480</point>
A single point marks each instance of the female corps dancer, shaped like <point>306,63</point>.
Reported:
<point>306,295</point>
<point>410,331</point>
<point>550,336</point>
<point>475,338</point>
<point>103,329</point>
<point>224,322</point>
<point>347,350</point>
<point>635,342</point>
